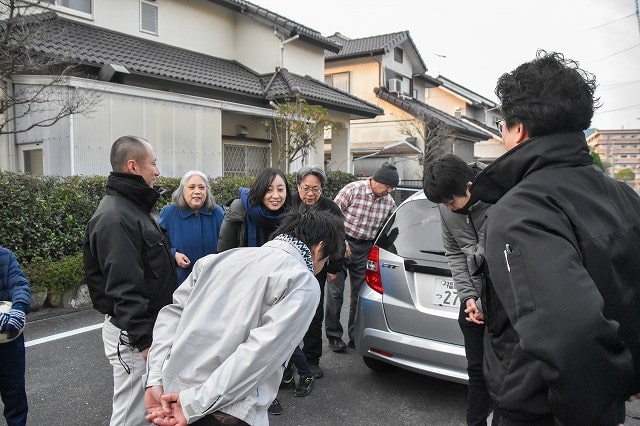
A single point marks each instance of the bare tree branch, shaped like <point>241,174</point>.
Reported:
<point>296,127</point>
<point>23,108</point>
<point>436,135</point>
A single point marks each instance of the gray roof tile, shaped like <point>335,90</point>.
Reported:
<point>93,46</point>
<point>285,83</point>
<point>426,113</point>
<point>367,46</point>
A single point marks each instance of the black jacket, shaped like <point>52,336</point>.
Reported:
<point>562,312</point>
<point>127,259</point>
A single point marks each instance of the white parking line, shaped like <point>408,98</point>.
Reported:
<point>62,335</point>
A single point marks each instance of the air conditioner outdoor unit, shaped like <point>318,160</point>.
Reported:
<point>395,85</point>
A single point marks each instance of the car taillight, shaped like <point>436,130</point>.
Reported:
<point>372,273</point>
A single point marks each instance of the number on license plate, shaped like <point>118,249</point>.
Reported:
<point>445,293</point>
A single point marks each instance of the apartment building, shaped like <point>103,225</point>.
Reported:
<point>618,149</point>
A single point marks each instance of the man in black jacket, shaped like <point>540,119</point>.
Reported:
<point>562,308</point>
<point>129,271</point>
<point>311,181</point>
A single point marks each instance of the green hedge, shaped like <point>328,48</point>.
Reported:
<point>55,274</point>
<point>43,218</point>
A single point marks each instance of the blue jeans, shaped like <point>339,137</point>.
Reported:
<point>355,266</point>
<point>12,382</point>
<point>300,361</point>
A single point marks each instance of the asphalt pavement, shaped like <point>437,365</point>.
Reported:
<point>69,383</point>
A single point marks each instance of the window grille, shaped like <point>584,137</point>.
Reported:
<point>245,160</point>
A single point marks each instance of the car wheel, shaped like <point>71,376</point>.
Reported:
<point>377,365</point>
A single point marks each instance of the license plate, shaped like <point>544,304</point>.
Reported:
<point>445,293</point>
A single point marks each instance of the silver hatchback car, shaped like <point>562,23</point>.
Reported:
<point>408,310</point>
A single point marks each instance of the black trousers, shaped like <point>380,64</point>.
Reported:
<point>478,399</point>
<point>219,419</point>
<point>312,341</point>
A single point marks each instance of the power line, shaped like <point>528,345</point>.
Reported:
<point>619,109</point>
<point>612,86</point>
<point>617,53</point>
<point>611,22</point>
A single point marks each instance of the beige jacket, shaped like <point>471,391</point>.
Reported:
<point>233,325</point>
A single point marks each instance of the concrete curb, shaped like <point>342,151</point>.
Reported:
<point>75,299</point>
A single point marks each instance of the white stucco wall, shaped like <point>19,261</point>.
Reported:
<point>204,27</point>
<point>185,131</point>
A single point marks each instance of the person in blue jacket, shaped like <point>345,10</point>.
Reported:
<point>14,288</point>
<point>192,222</point>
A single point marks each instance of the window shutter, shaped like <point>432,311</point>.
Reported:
<point>149,18</point>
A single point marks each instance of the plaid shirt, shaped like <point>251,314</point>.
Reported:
<point>364,212</point>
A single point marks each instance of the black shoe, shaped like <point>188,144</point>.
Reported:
<point>287,379</point>
<point>275,408</point>
<point>316,371</point>
<point>304,387</point>
<point>351,344</point>
<point>336,344</point>
<point>287,384</point>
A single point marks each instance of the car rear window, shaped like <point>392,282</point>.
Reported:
<point>413,231</point>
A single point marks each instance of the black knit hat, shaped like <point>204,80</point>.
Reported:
<point>387,174</point>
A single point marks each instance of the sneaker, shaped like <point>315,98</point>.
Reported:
<point>287,379</point>
<point>336,344</point>
<point>316,371</point>
<point>304,387</point>
<point>275,408</point>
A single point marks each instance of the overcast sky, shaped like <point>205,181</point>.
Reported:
<point>473,42</point>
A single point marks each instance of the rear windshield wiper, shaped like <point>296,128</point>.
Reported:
<point>441,253</point>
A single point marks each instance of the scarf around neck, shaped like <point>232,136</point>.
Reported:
<point>300,246</point>
<point>258,218</point>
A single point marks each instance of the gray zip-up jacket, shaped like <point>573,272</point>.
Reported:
<point>232,327</point>
<point>464,242</point>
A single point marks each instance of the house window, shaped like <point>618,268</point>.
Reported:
<point>83,6</point>
<point>339,80</point>
<point>398,55</point>
<point>245,159</point>
<point>33,163</point>
<point>148,18</point>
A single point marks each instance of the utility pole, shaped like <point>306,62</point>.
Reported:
<point>638,13</point>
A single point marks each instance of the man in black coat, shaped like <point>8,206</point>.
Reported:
<point>311,181</point>
<point>561,312</point>
<point>129,270</point>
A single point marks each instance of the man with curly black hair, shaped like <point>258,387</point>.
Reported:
<point>561,310</point>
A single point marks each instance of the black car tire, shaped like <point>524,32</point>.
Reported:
<point>377,365</point>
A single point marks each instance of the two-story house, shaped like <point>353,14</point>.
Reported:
<point>473,109</point>
<point>388,71</point>
<point>198,78</point>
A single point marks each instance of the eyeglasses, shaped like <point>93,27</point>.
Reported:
<point>499,123</point>
<point>307,189</point>
<point>389,187</point>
